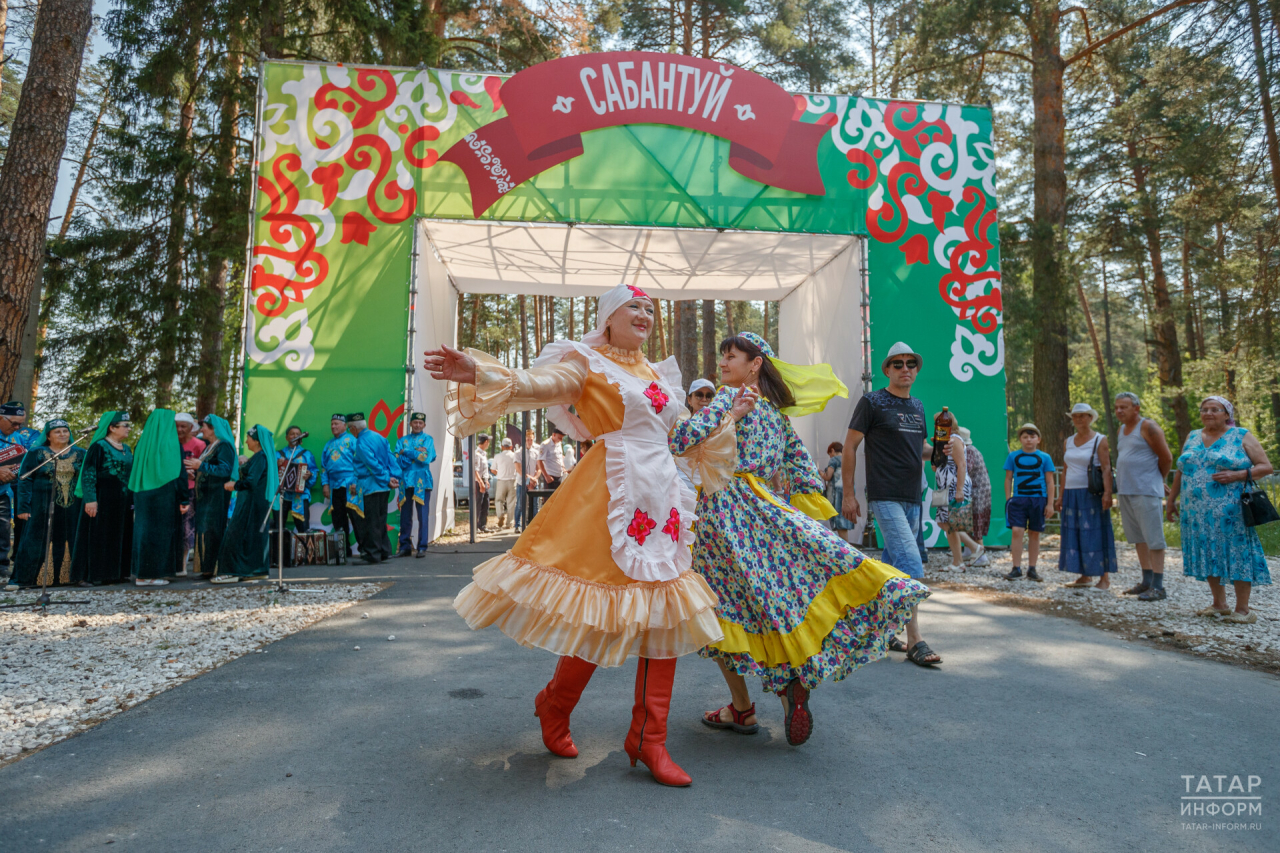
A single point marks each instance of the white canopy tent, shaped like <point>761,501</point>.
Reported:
<point>819,281</point>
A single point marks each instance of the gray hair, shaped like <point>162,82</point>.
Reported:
<point>1131,397</point>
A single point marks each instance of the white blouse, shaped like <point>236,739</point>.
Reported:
<point>1077,461</point>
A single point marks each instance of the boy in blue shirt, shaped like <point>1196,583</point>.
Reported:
<point>1028,485</point>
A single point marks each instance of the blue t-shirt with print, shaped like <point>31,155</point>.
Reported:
<point>1028,472</point>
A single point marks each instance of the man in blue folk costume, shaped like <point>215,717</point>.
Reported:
<point>338,472</point>
<point>376,474</point>
<point>415,452</point>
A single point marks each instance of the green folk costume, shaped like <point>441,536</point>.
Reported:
<point>218,465</point>
<point>105,541</point>
<point>245,544</point>
<point>159,487</point>
<point>57,479</point>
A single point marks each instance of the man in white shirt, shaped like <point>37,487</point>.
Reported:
<point>551,460</point>
<point>481,466</point>
<point>506,467</point>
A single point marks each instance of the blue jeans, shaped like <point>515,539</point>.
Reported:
<point>899,524</point>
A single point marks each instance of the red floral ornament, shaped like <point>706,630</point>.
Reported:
<point>672,527</point>
<point>641,526</point>
<point>657,397</point>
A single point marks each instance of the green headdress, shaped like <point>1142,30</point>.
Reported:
<point>157,459</point>
<point>222,432</point>
<point>268,442</point>
<point>104,424</point>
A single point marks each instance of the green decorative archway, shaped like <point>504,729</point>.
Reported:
<point>350,161</point>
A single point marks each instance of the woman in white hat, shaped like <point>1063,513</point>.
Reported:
<point>603,572</point>
<point>1088,546</point>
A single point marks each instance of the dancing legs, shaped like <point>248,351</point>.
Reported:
<point>557,701</point>
<point>647,740</point>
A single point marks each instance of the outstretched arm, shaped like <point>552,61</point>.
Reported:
<point>482,389</point>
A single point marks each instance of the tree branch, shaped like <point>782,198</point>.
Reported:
<point>1090,48</point>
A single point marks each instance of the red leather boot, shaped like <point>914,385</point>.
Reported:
<point>647,740</point>
<point>557,700</point>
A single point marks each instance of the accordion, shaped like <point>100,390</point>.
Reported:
<point>293,477</point>
<point>11,454</point>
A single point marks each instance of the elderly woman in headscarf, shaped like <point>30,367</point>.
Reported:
<point>47,502</point>
<point>160,496</point>
<point>215,467</point>
<point>245,543</point>
<point>104,536</point>
<point>1216,463</point>
<point>602,573</point>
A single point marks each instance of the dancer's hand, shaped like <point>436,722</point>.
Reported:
<point>91,509</point>
<point>450,365</point>
<point>743,402</point>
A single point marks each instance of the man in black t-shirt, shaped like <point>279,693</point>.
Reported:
<point>893,424</point>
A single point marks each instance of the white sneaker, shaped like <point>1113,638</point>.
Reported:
<point>224,579</point>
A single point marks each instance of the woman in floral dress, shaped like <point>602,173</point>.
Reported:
<point>602,573</point>
<point>1217,547</point>
<point>798,605</point>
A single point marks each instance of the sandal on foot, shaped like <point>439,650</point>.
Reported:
<point>1241,618</point>
<point>896,645</point>
<point>1078,584</point>
<point>799,722</point>
<point>1211,611</point>
<point>739,722</point>
<point>920,651</point>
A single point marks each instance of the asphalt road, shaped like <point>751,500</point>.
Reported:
<point>1036,734</point>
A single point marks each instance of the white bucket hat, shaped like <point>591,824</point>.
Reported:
<point>1084,409</point>
<point>900,349</point>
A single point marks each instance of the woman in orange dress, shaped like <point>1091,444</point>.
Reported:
<point>603,570</point>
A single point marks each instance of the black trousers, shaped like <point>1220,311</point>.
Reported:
<point>482,509</point>
<point>338,512</point>
<point>371,531</point>
<point>6,521</point>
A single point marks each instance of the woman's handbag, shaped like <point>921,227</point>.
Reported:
<point>1257,507</point>
<point>1097,486</point>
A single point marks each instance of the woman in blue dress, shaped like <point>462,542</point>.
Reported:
<point>1217,547</point>
<point>798,605</point>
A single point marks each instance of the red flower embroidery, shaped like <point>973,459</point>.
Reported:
<point>641,526</point>
<point>672,527</point>
<point>656,397</point>
<point>638,293</point>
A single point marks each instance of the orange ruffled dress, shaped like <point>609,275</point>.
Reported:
<point>577,582</point>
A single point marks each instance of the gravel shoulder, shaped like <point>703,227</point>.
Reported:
<point>1169,624</point>
<point>66,671</point>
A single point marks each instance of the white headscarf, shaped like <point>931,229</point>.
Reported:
<point>611,301</point>
<point>1226,404</point>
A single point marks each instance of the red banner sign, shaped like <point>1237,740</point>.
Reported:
<point>551,104</point>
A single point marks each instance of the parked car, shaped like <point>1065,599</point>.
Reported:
<point>459,485</point>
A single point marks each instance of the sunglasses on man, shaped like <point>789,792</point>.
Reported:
<point>909,364</point>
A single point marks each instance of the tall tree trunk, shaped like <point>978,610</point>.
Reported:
<point>1224,298</point>
<point>1102,367</point>
<point>30,173</point>
<point>686,339</point>
<point>1264,97</point>
<point>708,339</point>
<point>1188,299</point>
<point>661,329</point>
<point>1168,354</point>
<point>1106,314</point>
<point>171,324</point>
<point>223,243</point>
<point>1051,298</point>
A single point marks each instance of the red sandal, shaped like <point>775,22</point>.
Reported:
<point>799,722</point>
<point>739,724</point>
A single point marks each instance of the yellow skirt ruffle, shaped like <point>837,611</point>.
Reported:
<point>841,594</point>
<point>542,607</point>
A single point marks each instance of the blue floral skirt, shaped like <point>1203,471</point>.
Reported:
<point>1088,542</point>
